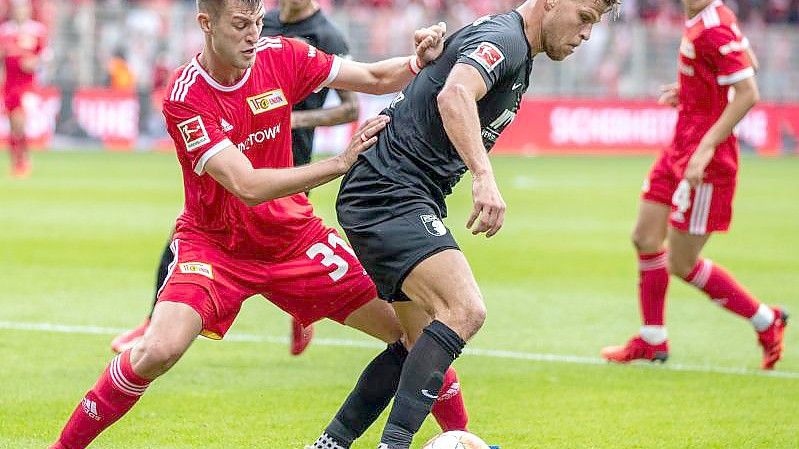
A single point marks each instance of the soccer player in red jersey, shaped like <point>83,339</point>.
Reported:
<point>21,43</point>
<point>304,20</point>
<point>690,188</point>
<point>247,227</point>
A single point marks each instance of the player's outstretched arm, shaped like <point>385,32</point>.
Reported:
<point>345,112</point>
<point>746,96</point>
<point>391,75</point>
<point>457,104</point>
<point>254,186</point>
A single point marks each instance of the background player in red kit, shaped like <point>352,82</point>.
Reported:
<point>690,189</point>
<point>246,227</point>
<point>21,42</point>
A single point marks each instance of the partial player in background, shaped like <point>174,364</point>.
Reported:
<point>301,19</point>
<point>247,228</point>
<point>689,192</point>
<point>22,40</point>
<point>392,200</point>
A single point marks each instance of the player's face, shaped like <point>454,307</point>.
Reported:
<point>235,32</point>
<point>567,24</point>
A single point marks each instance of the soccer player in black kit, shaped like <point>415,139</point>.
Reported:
<point>301,19</point>
<point>392,200</point>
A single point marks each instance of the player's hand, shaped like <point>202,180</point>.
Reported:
<point>670,95</point>
<point>429,42</point>
<point>695,171</point>
<point>488,214</point>
<point>364,138</point>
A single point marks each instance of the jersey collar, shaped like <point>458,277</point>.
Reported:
<point>214,83</point>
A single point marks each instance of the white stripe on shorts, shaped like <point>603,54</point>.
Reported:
<point>700,210</point>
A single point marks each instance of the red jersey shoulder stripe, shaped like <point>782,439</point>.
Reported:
<point>269,42</point>
<point>184,82</point>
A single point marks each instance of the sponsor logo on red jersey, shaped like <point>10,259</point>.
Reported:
<point>267,101</point>
<point>488,55</point>
<point>193,133</point>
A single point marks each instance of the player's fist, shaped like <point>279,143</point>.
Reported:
<point>429,42</point>
<point>364,138</point>
<point>670,95</point>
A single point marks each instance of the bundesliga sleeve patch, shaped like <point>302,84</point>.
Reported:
<point>193,133</point>
<point>487,55</point>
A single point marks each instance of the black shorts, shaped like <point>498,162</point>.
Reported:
<point>392,225</point>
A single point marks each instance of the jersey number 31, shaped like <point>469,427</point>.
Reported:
<point>329,258</point>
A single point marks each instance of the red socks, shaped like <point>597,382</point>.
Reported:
<point>449,410</point>
<point>722,288</point>
<point>653,281</point>
<point>115,392</point>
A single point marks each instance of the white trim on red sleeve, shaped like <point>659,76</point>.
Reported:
<point>726,80</point>
<point>332,75</point>
<point>199,168</point>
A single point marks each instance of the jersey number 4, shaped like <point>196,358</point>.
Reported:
<point>329,258</point>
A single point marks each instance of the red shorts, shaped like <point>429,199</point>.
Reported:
<point>325,280</point>
<point>13,97</point>
<point>699,211</point>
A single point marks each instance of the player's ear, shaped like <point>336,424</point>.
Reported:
<point>204,19</point>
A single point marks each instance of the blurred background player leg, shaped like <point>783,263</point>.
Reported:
<point>768,322</point>
<point>649,237</point>
<point>17,143</point>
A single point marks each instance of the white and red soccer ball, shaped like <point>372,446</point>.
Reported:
<point>456,439</point>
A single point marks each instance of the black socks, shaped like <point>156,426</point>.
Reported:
<point>371,395</point>
<point>421,379</point>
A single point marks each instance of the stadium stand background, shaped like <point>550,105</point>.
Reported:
<point>108,60</point>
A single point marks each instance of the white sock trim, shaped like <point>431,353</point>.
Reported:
<point>763,318</point>
<point>654,335</point>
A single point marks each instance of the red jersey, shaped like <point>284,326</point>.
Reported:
<point>712,57</point>
<point>18,41</point>
<point>204,117</point>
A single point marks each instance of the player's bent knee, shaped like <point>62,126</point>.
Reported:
<point>466,319</point>
<point>153,357</point>
<point>645,243</point>
<point>475,317</point>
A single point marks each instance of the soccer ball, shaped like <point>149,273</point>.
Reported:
<point>455,439</point>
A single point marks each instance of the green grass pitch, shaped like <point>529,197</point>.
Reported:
<point>79,242</point>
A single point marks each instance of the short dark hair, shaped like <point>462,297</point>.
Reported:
<point>212,7</point>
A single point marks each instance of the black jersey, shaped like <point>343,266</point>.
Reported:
<point>316,30</point>
<point>414,143</point>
